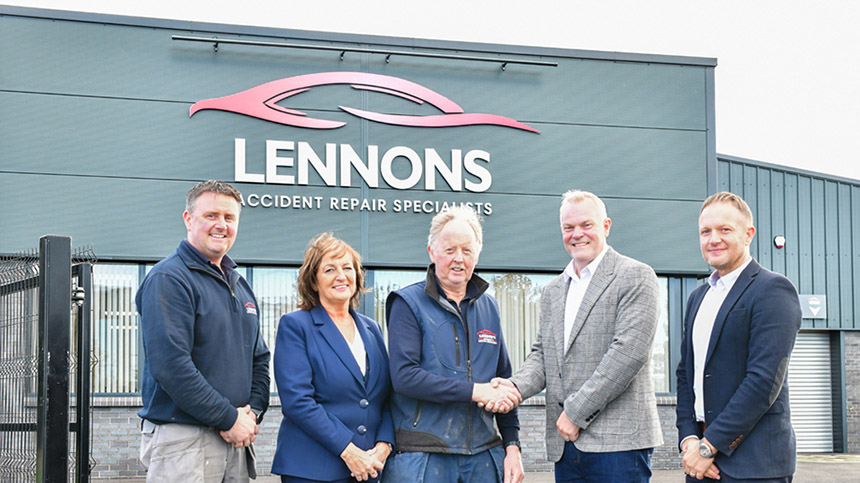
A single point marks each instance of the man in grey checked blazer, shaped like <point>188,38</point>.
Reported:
<point>601,413</point>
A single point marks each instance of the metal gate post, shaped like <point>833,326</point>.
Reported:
<point>55,287</point>
<point>85,282</point>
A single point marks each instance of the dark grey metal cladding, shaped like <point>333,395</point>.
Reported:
<point>102,108</point>
<point>141,139</point>
<point>611,161</point>
<point>144,63</point>
<point>817,214</point>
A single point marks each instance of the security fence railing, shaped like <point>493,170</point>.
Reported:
<point>44,391</point>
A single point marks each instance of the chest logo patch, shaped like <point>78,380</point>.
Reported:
<point>487,337</point>
<point>250,308</point>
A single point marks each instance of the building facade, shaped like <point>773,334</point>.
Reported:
<point>107,121</point>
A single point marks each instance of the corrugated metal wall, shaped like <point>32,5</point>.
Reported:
<point>820,218</point>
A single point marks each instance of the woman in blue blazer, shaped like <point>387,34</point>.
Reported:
<point>331,368</point>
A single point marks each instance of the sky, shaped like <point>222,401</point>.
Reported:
<point>786,80</point>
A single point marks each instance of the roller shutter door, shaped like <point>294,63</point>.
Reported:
<point>809,382</point>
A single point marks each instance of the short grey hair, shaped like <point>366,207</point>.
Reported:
<point>575,196</point>
<point>456,212</point>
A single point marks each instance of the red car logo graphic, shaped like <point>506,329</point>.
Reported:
<point>262,102</point>
<point>487,337</point>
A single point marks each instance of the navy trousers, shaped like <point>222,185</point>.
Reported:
<point>615,467</point>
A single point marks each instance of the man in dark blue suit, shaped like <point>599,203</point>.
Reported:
<point>733,415</point>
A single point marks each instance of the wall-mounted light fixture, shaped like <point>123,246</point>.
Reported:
<point>215,41</point>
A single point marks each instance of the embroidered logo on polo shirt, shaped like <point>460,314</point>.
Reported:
<point>250,308</point>
<point>487,337</point>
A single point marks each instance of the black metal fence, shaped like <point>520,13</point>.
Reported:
<point>44,387</point>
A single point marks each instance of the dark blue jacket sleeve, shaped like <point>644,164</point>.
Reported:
<point>404,352</point>
<point>260,381</point>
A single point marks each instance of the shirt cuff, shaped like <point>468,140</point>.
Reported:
<point>681,446</point>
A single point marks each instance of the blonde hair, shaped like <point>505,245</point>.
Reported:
<point>575,196</point>
<point>732,199</point>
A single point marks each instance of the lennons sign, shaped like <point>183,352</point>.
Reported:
<point>262,102</point>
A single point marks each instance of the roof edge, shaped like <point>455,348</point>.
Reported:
<point>788,169</point>
<point>77,16</point>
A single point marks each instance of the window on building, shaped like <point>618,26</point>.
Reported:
<point>115,335</point>
<point>275,289</point>
<point>518,295</point>
<point>385,282</point>
<point>661,371</point>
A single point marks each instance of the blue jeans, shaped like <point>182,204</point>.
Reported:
<point>724,478</point>
<point>415,467</point>
<point>616,467</point>
<point>295,479</point>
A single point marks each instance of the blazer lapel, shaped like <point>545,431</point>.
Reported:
<point>599,281</point>
<point>741,284</point>
<point>370,348</point>
<point>558,297</point>
<point>335,340</point>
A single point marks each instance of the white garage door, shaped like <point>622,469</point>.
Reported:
<point>809,382</point>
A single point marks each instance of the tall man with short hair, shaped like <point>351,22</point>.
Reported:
<point>593,355</point>
<point>733,413</point>
<point>205,382</point>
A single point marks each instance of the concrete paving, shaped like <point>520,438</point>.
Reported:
<point>812,468</point>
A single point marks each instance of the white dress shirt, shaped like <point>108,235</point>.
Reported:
<point>703,325</point>
<point>356,346</point>
<point>576,291</point>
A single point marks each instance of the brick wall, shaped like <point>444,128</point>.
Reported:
<point>116,438</point>
<point>116,442</point>
<point>852,391</point>
<point>667,457</point>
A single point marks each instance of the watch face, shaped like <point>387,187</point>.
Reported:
<point>705,451</point>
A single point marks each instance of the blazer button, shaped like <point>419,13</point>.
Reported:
<point>364,403</point>
<point>362,429</point>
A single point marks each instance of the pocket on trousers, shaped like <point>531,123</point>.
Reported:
<point>251,461</point>
<point>409,466</point>
<point>176,454</point>
<point>497,454</point>
<point>147,430</point>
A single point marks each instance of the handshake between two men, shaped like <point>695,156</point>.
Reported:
<point>499,395</point>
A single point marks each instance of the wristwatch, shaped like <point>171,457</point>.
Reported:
<point>515,442</point>
<point>705,450</point>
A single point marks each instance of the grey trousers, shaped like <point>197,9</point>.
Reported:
<point>189,453</point>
